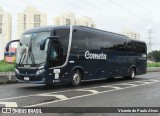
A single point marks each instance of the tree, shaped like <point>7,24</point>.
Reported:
<point>154,56</point>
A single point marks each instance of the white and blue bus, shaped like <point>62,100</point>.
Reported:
<point>60,54</point>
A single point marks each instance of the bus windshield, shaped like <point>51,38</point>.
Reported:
<point>28,51</point>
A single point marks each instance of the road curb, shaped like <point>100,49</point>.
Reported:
<point>153,69</point>
<point>9,77</point>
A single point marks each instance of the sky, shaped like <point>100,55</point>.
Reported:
<point>110,15</point>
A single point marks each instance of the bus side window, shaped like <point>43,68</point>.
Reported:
<point>121,47</point>
<point>60,53</point>
<point>53,54</point>
<point>80,41</point>
<point>129,47</point>
<point>56,52</point>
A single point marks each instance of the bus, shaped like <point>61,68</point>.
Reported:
<point>72,54</point>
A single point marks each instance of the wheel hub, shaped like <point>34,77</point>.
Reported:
<point>133,74</point>
<point>76,78</point>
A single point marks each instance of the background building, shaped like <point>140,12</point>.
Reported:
<point>30,18</point>
<point>70,19</point>
<point>132,35</point>
<point>65,19</point>
<point>2,45</point>
<point>86,21</point>
<point>5,25</point>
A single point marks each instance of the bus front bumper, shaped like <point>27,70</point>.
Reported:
<point>34,82</point>
<point>42,78</point>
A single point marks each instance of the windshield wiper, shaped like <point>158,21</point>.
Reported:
<point>31,53</point>
<point>21,60</point>
<point>27,53</point>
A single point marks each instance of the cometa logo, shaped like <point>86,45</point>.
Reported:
<point>89,55</point>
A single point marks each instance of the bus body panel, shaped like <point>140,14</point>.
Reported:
<point>120,54</point>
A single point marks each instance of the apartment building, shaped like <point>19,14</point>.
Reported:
<point>131,34</point>
<point>5,25</point>
<point>30,18</point>
<point>70,19</point>
<point>86,21</point>
<point>65,19</point>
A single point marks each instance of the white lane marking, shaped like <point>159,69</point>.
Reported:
<point>145,80</point>
<point>148,82</point>
<point>126,84</point>
<point>67,90</point>
<point>18,97</point>
<point>92,91</point>
<point>112,87</point>
<point>61,97</point>
<point>45,103</point>
<point>155,80</point>
<point>9,104</point>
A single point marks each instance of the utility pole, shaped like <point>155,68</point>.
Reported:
<point>149,42</point>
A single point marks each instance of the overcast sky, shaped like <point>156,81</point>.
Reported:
<point>109,15</point>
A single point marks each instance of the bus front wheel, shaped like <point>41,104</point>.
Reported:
<point>132,73</point>
<point>76,78</point>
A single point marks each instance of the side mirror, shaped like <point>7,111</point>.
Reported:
<point>43,42</point>
<point>8,44</point>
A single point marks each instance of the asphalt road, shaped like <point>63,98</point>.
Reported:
<point>143,91</point>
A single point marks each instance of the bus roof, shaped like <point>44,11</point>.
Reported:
<point>94,30</point>
<point>45,28</point>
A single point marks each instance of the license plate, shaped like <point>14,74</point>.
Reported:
<point>26,78</point>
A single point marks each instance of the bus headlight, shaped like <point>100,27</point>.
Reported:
<point>16,70</point>
<point>40,71</point>
<point>40,67</point>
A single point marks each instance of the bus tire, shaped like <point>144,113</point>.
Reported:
<point>76,78</point>
<point>132,73</point>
